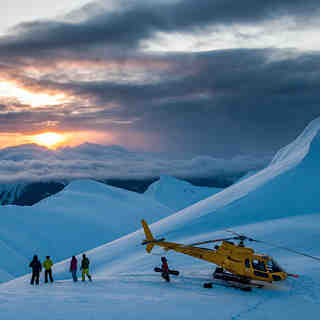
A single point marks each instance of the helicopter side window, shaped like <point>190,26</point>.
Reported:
<point>270,265</point>
<point>247,263</point>
<point>258,265</point>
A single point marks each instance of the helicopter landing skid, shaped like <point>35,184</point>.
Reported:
<point>229,280</point>
<point>227,284</point>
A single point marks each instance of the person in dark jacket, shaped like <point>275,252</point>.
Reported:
<point>74,268</point>
<point>35,264</point>
<point>165,269</point>
<point>85,268</point>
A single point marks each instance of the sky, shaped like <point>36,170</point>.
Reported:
<point>216,78</point>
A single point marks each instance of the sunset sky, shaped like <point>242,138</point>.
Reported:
<point>204,77</point>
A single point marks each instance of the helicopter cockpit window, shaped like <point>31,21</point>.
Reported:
<point>258,265</point>
<point>273,266</point>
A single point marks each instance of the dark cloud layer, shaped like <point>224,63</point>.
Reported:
<point>127,27</point>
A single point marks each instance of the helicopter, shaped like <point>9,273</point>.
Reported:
<point>235,263</point>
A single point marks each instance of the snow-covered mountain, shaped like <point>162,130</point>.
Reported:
<point>279,204</point>
<point>82,216</point>
<point>178,194</point>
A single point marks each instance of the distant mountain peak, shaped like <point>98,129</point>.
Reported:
<point>178,194</point>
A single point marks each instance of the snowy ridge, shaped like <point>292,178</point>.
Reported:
<point>294,152</point>
<point>287,158</point>
<point>178,194</point>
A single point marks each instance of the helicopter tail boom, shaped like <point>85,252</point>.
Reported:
<point>150,240</point>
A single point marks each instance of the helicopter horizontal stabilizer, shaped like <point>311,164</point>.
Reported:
<point>144,242</point>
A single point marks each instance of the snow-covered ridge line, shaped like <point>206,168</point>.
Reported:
<point>286,159</point>
<point>294,152</point>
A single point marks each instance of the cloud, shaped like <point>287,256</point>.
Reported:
<point>128,26</point>
<point>28,163</point>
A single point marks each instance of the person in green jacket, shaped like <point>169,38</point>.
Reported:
<point>47,264</point>
<point>85,268</point>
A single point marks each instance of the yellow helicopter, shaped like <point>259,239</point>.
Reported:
<point>236,263</point>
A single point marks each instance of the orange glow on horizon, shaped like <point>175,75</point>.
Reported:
<point>55,140</point>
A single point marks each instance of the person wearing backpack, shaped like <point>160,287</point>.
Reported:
<point>85,268</point>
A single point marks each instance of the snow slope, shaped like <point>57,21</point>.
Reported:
<point>278,204</point>
<point>82,216</point>
<point>178,194</point>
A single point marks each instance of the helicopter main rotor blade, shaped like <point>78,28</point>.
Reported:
<point>235,233</point>
<point>275,246</point>
<point>287,249</point>
<point>209,241</point>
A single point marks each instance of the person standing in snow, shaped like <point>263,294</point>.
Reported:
<point>165,269</point>
<point>35,264</point>
<point>74,268</point>
<point>85,268</point>
<point>47,264</point>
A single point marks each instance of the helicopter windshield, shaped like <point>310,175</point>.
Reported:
<point>273,266</point>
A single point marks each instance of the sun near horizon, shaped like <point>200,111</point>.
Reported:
<point>48,139</point>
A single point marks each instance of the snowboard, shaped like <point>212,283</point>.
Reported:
<point>173,272</point>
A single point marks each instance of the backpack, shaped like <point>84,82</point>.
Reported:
<point>85,263</point>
